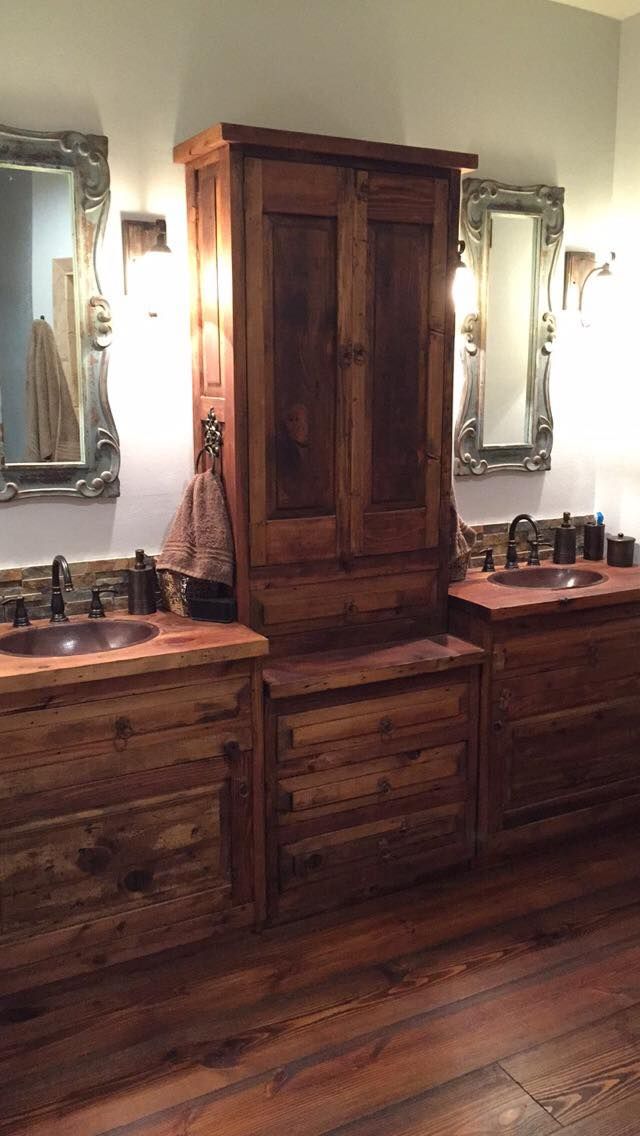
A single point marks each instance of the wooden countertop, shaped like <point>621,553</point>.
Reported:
<point>180,643</point>
<point>495,602</point>
<point>355,666</point>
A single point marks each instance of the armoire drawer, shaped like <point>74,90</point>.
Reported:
<point>405,774</point>
<point>381,842</point>
<point>377,723</point>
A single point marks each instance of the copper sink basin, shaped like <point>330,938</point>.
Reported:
<point>554,578</point>
<point>62,639</point>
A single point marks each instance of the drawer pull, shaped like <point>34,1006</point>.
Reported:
<point>386,725</point>
<point>314,861</point>
<point>231,750</point>
<point>124,731</point>
<point>243,789</point>
<point>93,860</point>
<point>139,879</point>
<point>384,786</point>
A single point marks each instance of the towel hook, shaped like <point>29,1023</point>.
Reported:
<point>212,439</point>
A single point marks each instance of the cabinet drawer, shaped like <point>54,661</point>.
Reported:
<point>352,600</point>
<point>91,728</point>
<point>382,841</point>
<point>377,721</point>
<point>97,864</point>
<point>385,778</point>
<point>611,647</point>
<point>555,760</point>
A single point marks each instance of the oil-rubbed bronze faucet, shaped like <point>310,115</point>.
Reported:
<point>57,603</point>
<point>534,545</point>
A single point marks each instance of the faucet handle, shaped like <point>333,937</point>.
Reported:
<point>534,553</point>
<point>20,615</point>
<point>96,610</point>
<point>489,565</point>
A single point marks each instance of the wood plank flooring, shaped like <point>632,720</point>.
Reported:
<point>499,1002</point>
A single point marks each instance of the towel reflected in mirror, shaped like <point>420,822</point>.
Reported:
<point>52,423</point>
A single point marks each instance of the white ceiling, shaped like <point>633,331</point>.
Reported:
<point>618,9</point>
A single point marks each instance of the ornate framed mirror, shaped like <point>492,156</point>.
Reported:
<point>57,434</point>
<point>513,236</point>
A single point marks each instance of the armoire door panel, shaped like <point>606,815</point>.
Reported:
<point>397,314</point>
<point>398,380</point>
<point>298,297</point>
<point>300,188</point>
<point>301,363</point>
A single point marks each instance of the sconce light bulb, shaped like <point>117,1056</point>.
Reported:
<point>464,289</point>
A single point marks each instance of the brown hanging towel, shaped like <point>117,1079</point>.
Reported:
<point>199,542</point>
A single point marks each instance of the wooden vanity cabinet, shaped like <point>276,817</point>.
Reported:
<point>126,818</point>
<point>371,777</point>
<point>323,332</point>
<point>560,724</point>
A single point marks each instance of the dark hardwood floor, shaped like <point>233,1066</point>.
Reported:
<point>503,1002</point>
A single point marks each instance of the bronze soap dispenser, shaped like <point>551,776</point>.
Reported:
<point>142,588</point>
<point>564,542</point>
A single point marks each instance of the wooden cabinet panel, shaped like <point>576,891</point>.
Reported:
<point>399,322</point>
<point>83,867</point>
<point>297,265</point>
<point>560,725</point>
<point>124,796</point>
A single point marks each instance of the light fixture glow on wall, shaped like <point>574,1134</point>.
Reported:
<point>147,262</point>
<point>464,286</point>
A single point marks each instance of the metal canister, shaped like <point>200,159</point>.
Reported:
<point>620,550</point>
<point>593,541</point>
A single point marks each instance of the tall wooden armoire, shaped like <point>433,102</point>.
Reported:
<point>323,337</point>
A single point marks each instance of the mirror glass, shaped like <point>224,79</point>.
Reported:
<point>510,350</point>
<point>40,405</point>
<point>512,236</point>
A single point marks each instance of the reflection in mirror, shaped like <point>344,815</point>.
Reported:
<point>39,393</point>
<point>57,433</point>
<point>512,285</point>
<point>513,234</point>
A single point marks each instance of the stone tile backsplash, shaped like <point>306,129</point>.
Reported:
<point>496,537</point>
<point>35,584</point>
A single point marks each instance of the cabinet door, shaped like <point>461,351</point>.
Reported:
<point>398,377</point>
<point>299,270</point>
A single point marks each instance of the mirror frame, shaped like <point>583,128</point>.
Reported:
<point>85,156</point>
<point>480,199</point>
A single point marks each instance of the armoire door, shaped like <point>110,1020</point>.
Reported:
<point>299,238</point>
<point>398,376</point>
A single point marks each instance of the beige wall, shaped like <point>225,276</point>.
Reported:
<point>618,404</point>
<point>529,84</point>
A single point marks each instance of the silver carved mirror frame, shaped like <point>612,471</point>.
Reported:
<point>96,475</point>
<point>481,199</point>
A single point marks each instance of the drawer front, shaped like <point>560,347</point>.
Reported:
<point>342,602</point>
<point>124,723</point>
<point>369,783</point>
<point>381,842</point>
<point>611,647</point>
<point>376,724</point>
<point>558,762</point>
<point>84,867</point>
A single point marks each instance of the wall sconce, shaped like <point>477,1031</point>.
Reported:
<point>464,286</point>
<point>147,261</point>
<point>583,278</point>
